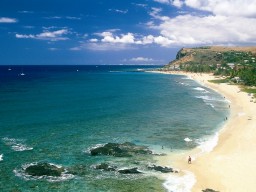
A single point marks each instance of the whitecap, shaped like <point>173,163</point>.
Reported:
<point>187,139</point>
<point>188,77</point>
<point>208,98</point>
<point>210,105</point>
<point>183,183</point>
<point>200,89</point>
<point>1,157</point>
<point>16,144</point>
<point>21,147</point>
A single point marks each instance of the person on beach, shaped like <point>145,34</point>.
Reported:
<point>189,160</point>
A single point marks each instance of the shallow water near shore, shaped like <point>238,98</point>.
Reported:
<point>56,114</point>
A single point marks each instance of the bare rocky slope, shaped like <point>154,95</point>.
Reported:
<point>213,55</point>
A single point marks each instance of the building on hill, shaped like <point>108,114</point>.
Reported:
<point>231,65</point>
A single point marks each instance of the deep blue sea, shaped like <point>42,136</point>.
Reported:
<point>56,114</point>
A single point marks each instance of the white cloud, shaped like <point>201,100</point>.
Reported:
<point>93,40</point>
<point>46,35</point>
<point>140,5</point>
<point>53,17</point>
<point>8,20</point>
<point>73,18</point>
<point>224,26</point>
<point>163,41</point>
<point>141,59</point>
<point>108,37</point>
<point>30,12</point>
<point>75,49</point>
<point>53,49</point>
<point>107,46</point>
<point>111,41</point>
<point>244,8</point>
<point>177,3</point>
<point>119,11</point>
<point>163,1</point>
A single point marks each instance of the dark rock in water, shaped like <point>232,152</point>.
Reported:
<point>47,169</point>
<point>129,171</point>
<point>120,150</point>
<point>160,168</point>
<point>105,167</point>
<point>209,190</point>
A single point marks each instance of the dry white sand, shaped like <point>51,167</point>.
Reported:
<point>230,166</point>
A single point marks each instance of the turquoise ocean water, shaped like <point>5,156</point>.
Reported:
<point>56,114</point>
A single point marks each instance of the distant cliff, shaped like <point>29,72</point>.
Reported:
<point>208,58</point>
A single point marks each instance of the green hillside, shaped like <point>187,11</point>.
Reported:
<point>237,63</point>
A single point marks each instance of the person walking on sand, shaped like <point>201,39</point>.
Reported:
<point>189,160</point>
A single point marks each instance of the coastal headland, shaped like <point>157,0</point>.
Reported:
<point>230,166</point>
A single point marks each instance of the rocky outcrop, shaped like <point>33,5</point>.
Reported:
<point>130,171</point>
<point>44,169</point>
<point>161,168</point>
<point>120,150</point>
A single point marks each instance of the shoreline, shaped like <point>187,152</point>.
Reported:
<point>230,165</point>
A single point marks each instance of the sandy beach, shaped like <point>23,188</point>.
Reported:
<point>230,166</point>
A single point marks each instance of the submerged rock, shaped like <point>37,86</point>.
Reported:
<point>120,150</point>
<point>47,169</point>
<point>79,170</point>
<point>130,171</point>
<point>161,168</point>
<point>105,167</point>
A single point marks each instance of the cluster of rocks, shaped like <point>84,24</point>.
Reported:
<point>162,169</point>
<point>134,170</point>
<point>44,169</point>
<point>114,149</point>
<point>126,149</point>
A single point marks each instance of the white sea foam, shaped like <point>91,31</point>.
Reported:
<point>188,77</point>
<point>1,157</point>
<point>200,89</point>
<point>21,147</point>
<point>187,139</point>
<point>210,105</point>
<point>183,183</point>
<point>209,98</point>
<point>16,144</point>
<point>207,145</point>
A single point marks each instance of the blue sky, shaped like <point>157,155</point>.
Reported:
<point>97,32</point>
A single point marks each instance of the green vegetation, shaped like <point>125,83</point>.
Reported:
<point>249,90</point>
<point>237,66</point>
<point>219,81</point>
